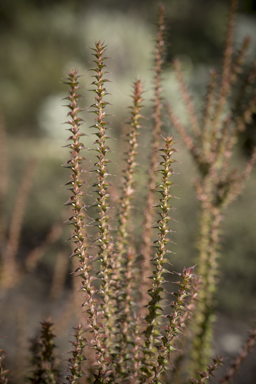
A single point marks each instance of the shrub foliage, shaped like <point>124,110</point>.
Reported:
<point>127,333</point>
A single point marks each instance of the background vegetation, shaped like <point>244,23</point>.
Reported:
<point>40,41</point>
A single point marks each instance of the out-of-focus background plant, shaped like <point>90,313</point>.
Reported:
<point>40,41</point>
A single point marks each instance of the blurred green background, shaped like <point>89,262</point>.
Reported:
<point>41,40</point>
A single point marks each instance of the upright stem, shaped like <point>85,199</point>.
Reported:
<point>207,270</point>
<point>156,292</point>
<point>146,268</point>
<point>79,235</point>
<point>10,271</point>
<point>104,239</point>
<point>125,257</point>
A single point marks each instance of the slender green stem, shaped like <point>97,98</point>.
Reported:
<point>149,212</point>
<point>156,292</point>
<point>125,258</point>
